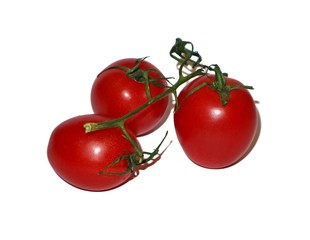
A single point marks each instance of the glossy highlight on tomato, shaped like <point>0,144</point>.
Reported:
<point>78,157</point>
<point>211,134</point>
<point>114,94</point>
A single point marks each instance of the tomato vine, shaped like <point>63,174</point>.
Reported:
<point>187,58</point>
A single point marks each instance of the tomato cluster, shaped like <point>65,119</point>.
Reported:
<point>215,120</point>
<point>105,159</point>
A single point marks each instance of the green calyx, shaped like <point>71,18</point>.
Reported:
<point>134,159</point>
<point>142,76</point>
<point>137,73</point>
<point>220,85</point>
<point>184,53</point>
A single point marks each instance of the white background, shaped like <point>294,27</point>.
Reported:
<point>50,54</point>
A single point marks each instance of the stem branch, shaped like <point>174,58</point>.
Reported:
<point>183,52</point>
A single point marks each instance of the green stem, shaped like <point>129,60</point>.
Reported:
<point>220,85</point>
<point>133,143</point>
<point>118,122</point>
<point>185,57</point>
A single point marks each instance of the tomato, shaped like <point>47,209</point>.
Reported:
<point>114,93</point>
<point>211,134</point>
<point>78,157</point>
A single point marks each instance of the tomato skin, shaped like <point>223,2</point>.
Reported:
<point>114,94</point>
<point>78,157</point>
<point>213,135</point>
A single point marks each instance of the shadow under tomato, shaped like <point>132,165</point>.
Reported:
<point>152,162</point>
<point>144,166</point>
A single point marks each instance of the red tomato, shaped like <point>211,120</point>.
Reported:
<point>78,157</point>
<point>213,135</point>
<point>115,94</point>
